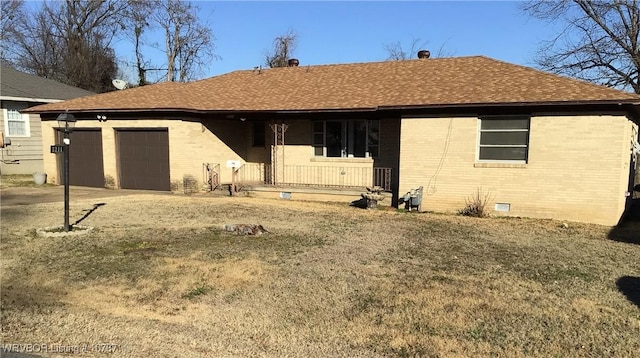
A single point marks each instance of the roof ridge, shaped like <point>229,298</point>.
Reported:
<point>411,60</point>
<point>560,76</point>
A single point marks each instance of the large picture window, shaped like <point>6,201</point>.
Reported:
<point>346,138</point>
<point>16,123</point>
<point>504,138</point>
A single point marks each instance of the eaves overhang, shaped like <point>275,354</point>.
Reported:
<point>515,104</point>
<point>630,106</point>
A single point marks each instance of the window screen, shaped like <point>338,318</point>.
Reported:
<point>504,139</point>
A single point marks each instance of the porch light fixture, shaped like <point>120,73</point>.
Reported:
<point>68,122</point>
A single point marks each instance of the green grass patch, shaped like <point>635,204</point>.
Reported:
<point>196,292</point>
<point>19,181</point>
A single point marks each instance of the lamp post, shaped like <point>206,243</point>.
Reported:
<point>66,121</point>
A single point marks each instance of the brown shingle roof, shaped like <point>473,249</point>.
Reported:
<point>445,82</point>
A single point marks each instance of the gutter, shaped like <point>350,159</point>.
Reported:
<point>202,111</point>
<point>513,104</point>
<point>628,102</point>
<point>346,110</point>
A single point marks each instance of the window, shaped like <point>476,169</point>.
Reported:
<point>348,138</point>
<point>16,124</point>
<point>258,130</point>
<point>504,139</point>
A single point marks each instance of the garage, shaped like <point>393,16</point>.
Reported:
<point>143,158</point>
<point>85,158</point>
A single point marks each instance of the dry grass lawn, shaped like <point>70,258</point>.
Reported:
<point>19,180</point>
<point>158,277</point>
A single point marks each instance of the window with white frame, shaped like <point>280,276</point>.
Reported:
<point>504,138</point>
<point>346,138</point>
<point>16,124</point>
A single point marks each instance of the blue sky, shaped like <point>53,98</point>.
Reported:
<point>356,31</point>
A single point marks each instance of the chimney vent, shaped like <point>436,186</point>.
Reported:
<point>293,62</point>
<point>424,54</point>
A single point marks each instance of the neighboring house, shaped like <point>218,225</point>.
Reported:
<point>538,144</point>
<point>19,91</point>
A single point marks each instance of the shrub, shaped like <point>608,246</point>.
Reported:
<point>476,204</point>
<point>190,184</point>
<point>109,182</point>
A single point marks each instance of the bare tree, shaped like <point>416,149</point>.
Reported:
<point>599,41</point>
<point>396,52</point>
<point>12,12</point>
<point>136,23</point>
<point>27,41</point>
<point>70,42</point>
<point>188,43</point>
<point>283,47</point>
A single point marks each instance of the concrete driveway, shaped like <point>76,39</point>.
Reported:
<point>52,194</point>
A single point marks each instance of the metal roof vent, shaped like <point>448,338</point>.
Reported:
<point>293,62</point>
<point>424,54</point>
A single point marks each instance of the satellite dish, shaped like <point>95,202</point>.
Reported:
<point>120,84</point>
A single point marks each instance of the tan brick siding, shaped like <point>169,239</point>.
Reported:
<point>577,170</point>
<point>50,165</point>
<point>578,167</point>
<point>192,143</point>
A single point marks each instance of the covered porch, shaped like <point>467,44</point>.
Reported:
<point>308,154</point>
<point>264,174</point>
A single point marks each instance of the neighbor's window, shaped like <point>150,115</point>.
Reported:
<point>504,138</point>
<point>346,138</point>
<point>258,130</point>
<point>16,123</point>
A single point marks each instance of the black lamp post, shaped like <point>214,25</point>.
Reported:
<point>66,121</point>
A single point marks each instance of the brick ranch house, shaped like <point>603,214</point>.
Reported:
<point>539,144</point>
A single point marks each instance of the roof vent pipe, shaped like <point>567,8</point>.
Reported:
<point>293,62</point>
<point>424,54</point>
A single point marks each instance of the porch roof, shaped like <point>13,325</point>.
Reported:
<point>420,83</point>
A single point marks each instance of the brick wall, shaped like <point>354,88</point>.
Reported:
<point>193,143</point>
<point>190,145</point>
<point>578,167</point>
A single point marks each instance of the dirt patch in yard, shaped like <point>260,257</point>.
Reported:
<point>159,277</point>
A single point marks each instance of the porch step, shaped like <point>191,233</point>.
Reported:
<point>305,193</point>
